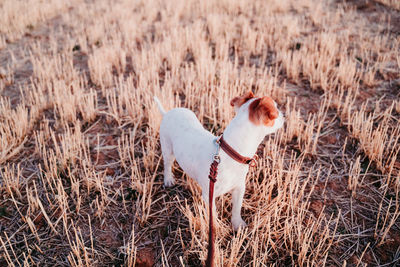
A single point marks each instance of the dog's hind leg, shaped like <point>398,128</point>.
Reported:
<point>168,156</point>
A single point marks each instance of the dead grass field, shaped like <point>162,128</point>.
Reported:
<point>80,162</point>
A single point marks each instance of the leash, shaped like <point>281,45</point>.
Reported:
<point>211,233</point>
<point>220,142</point>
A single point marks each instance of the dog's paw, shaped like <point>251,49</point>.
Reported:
<point>168,182</point>
<point>238,223</point>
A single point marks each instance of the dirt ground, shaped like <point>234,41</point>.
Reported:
<point>81,179</point>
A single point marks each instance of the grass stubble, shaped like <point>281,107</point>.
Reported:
<point>80,163</point>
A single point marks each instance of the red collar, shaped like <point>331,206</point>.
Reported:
<point>235,155</point>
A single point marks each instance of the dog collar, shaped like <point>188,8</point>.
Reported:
<point>235,155</point>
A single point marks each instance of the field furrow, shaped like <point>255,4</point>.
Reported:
<point>81,170</point>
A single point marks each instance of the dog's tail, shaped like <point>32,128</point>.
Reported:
<point>160,107</point>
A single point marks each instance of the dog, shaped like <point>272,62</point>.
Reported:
<point>183,138</point>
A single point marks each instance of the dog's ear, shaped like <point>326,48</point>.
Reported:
<point>238,101</point>
<point>263,111</point>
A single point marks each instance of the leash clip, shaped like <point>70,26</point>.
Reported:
<point>216,156</point>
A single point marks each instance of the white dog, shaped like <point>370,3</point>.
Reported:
<point>184,138</point>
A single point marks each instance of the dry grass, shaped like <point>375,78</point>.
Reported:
<point>80,161</point>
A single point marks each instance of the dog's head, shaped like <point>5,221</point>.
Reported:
<point>262,111</point>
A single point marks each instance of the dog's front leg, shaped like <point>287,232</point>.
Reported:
<point>237,199</point>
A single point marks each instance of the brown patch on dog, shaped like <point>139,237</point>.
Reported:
<point>240,100</point>
<point>263,110</point>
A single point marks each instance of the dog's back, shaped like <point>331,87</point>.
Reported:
<point>183,136</point>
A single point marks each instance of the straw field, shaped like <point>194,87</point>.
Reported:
<point>80,161</point>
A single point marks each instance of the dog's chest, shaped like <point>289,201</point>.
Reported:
<point>229,177</point>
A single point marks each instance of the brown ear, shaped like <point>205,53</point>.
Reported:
<point>240,100</point>
<point>263,110</point>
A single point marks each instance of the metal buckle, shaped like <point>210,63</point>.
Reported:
<point>217,140</point>
<point>216,156</point>
<point>253,162</point>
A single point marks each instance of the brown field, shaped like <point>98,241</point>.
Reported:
<point>80,162</point>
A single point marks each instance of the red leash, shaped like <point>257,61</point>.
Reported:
<point>213,178</point>
<point>211,233</point>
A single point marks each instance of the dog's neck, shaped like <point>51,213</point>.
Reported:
<point>243,136</point>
